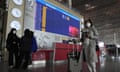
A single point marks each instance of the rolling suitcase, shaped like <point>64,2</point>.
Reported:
<point>74,64</point>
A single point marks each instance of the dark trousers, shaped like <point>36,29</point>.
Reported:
<point>12,55</point>
<point>23,59</point>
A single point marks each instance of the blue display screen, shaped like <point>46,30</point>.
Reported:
<point>57,20</point>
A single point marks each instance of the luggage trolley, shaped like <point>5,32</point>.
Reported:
<point>74,59</point>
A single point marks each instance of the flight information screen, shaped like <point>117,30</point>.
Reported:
<point>55,20</point>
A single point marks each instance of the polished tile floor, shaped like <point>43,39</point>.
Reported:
<point>106,64</point>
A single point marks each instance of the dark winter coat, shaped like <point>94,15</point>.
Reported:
<point>26,42</point>
<point>12,42</point>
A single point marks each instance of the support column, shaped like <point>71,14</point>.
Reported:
<point>15,17</point>
<point>70,3</point>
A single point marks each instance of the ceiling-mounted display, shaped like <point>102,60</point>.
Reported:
<point>15,24</point>
<point>18,2</point>
<point>16,12</point>
<point>53,19</point>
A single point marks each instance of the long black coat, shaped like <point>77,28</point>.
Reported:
<point>26,42</point>
<point>12,42</point>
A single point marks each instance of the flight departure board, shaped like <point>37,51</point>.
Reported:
<point>50,18</point>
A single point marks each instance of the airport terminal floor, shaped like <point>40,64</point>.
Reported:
<point>106,64</point>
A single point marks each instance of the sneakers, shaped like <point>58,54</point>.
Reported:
<point>11,66</point>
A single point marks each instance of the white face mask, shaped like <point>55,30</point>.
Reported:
<point>88,24</point>
<point>14,32</point>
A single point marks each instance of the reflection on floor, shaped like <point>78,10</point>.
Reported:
<point>106,64</point>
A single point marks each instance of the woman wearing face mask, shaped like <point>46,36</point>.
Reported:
<point>89,38</point>
<point>12,47</point>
